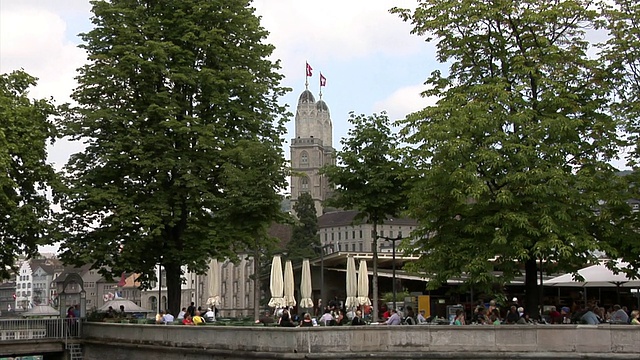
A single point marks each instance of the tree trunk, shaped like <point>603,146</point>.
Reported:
<point>174,288</point>
<point>256,283</point>
<point>375,272</point>
<point>531,294</point>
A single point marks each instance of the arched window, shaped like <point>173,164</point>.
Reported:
<point>304,184</point>
<point>304,159</point>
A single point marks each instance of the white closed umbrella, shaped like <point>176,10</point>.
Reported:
<point>363,284</point>
<point>276,283</point>
<point>213,281</point>
<point>289,285</point>
<point>352,283</point>
<point>305,286</point>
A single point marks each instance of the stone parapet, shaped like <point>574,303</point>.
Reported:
<point>393,342</point>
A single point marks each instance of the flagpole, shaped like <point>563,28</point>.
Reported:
<point>320,82</point>
<point>306,75</point>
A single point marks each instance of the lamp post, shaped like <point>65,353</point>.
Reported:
<point>393,264</point>
<point>322,249</point>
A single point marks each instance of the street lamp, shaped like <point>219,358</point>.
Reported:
<point>393,251</point>
<point>322,249</point>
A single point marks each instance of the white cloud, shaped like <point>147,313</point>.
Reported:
<point>335,30</point>
<point>33,38</point>
<point>404,101</point>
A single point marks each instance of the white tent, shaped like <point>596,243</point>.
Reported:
<point>42,311</point>
<point>596,276</point>
<point>363,284</point>
<point>129,306</point>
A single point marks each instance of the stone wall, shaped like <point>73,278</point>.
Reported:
<point>128,341</point>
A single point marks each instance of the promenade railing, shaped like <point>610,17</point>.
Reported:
<point>32,329</point>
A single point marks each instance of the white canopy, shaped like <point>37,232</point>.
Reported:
<point>363,284</point>
<point>352,284</point>
<point>289,285</point>
<point>305,286</point>
<point>276,283</point>
<point>596,276</point>
<point>129,306</point>
<point>42,310</point>
<point>213,282</point>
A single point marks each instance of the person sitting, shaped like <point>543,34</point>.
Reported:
<point>421,319</point>
<point>167,318</point>
<point>306,321</point>
<point>459,319</point>
<point>265,319</point>
<point>197,319</point>
<point>285,320</point>
<point>410,319</point>
<point>159,317</point>
<point>210,316</point>
<point>327,319</point>
<point>340,318</point>
<point>357,319</point>
<point>635,314</point>
<point>590,317</point>
<point>187,320</point>
<point>111,313</point>
<point>182,313</point>
<point>394,319</point>
<point>512,316</point>
<point>619,316</point>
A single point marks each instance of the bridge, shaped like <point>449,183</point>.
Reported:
<point>150,342</point>
<point>55,339</point>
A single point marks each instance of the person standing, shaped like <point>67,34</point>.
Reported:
<point>191,310</point>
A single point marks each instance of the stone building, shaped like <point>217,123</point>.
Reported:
<point>311,149</point>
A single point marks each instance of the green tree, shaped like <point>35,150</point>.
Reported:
<point>25,128</point>
<point>622,51</point>
<point>514,158</point>
<point>305,240</point>
<point>368,178</point>
<point>183,162</point>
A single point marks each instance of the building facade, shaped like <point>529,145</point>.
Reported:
<point>311,149</point>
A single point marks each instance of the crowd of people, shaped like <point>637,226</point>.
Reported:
<point>481,314</point>
<point>190,315</point>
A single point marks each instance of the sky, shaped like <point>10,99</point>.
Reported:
<point>370,60</point>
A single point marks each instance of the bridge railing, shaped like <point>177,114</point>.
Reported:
<point>31,329</point>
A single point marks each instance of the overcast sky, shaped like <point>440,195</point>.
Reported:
<point>371,61</point>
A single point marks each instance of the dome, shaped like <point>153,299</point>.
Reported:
<point>306,97</point>
<point>322,106</point>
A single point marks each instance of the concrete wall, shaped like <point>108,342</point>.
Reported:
<point>122,341</point>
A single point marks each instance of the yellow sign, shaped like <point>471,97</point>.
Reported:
<point>424,303</point>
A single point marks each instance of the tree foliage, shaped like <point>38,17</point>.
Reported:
<point>622,51</point>
<point>25,128</point>
<point>305,239</point>
<point>368,178</point>
<point>183,161</point>
<point>513,160</point>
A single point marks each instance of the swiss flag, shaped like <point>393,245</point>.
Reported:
<point>123,280</point>
<point>309,70</point>
<point>14,296</point>
<point>323,80</point>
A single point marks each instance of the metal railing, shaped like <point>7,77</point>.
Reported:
<point>32,329</point>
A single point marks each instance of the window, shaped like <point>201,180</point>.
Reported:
<point>304,159</point>
<point>304,184</point>
<point>353,247</point>
<point>390,233</point>
<point>325,237</point>
<point>332,236</point>
<point>353,234</point>
<point>339,247</point>
<point>381,232</point>
<point>360,234</point>
<point>361,247</point>
<point>346,235</point>
<point>339,236</point>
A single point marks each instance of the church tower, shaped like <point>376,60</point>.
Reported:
<point>311,149</point>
